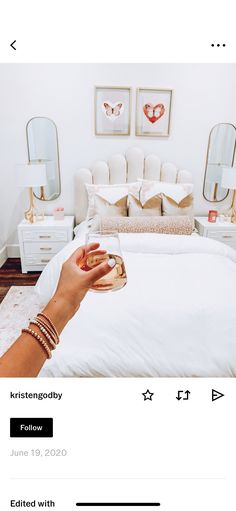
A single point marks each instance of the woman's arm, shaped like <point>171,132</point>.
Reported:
<point>26,356</point>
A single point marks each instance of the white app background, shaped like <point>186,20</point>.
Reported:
<point>122,448</point>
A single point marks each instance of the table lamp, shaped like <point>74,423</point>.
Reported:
<point>229,181</point>
<point>50,176</point>
<point>30,176</point>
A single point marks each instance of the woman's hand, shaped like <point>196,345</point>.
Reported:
<point>74,282</point>
<point>26,356</point>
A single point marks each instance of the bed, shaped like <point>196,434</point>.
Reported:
<point>177,314</point>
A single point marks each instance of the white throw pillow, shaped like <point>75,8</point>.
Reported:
<point>176,191</point>
<point>152,207</point>
<point>110,200</point>
<point>172,208</point>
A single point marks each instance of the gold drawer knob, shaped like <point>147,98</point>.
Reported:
<point>45,248</point>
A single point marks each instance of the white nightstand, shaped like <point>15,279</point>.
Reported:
<point>40,241</point>
<point>220,231</point>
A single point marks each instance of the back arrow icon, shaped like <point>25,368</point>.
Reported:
<point>12,45</point>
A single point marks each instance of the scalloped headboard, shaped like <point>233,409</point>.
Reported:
<point>122,169</point>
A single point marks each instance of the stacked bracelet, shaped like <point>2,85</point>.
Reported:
<point>52,333</point>
<point>49,331</point>
<point>50,323</point>
<point>39,339</point>
<point>44,332</point>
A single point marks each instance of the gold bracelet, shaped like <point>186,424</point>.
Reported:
<point>39,339</point>
<point>50,323</point>
<point>44,332</point>
<point>48,329</point>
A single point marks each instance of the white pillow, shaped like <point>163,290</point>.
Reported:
<point>171,208</point>
<point>110,200</point>
<point>152,207</point>
<point>176,191</point>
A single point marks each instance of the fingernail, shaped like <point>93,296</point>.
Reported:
<point>111,263</point>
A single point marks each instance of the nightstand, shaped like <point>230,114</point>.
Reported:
<point>40,241</point>
<point>220,231</point>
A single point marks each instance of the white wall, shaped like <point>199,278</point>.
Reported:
<point>204,95</point>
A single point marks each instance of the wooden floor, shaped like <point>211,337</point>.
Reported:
<point>10,275</point>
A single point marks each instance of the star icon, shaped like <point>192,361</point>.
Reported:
<point>147,395</point>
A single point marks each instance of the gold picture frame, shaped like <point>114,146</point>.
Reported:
<point>112,111</point>
<point>153,112</point>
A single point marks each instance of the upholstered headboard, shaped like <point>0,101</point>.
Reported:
<point>122,169</point>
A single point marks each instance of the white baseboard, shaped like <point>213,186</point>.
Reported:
<point>3,256</point>
<point>13,251</point>
<point>9,251</point>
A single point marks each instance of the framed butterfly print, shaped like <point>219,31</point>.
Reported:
<point>112,110</point>
<point>153,110</point>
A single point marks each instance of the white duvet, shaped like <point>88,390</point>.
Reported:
<point>175,317</point>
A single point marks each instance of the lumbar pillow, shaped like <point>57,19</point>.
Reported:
<point>110,200</point>
<point>165,225</point>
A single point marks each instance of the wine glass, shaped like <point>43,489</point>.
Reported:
<point>109,241</point>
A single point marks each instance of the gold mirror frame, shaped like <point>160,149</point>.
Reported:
<point>208,150</point>
<point>42,196</point>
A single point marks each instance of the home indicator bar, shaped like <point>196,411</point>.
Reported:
<point>118,504</point>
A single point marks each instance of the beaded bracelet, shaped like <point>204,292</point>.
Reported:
<point>44,332</point>
<point>49,330</point>
<point>50,323</point>
<point>39,339</point>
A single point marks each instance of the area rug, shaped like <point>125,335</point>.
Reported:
<point>18,307</point>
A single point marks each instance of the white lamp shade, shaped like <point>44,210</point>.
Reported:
<point>228,177</point>
<point>50,168</point>
<point>31,175</point>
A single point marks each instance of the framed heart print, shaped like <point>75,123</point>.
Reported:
<point>153,109</point>
<point>112,110</point>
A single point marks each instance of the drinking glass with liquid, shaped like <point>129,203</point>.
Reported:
<point>109,241</point>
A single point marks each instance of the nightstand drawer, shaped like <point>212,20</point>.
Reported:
<point>224,236</point>
<point>44,235</point>
<point>43,248</point>
<point>37,260</point>
<point>39,242</point>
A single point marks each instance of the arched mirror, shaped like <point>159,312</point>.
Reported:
<point>221,151</point>
<point>42,142</point>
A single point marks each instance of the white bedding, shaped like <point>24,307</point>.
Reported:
<point>175,317</point>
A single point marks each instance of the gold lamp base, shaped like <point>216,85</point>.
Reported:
<point>32,215</point>
<point>233,216</point>
<point>233,212</point>
<point>230,213</point>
